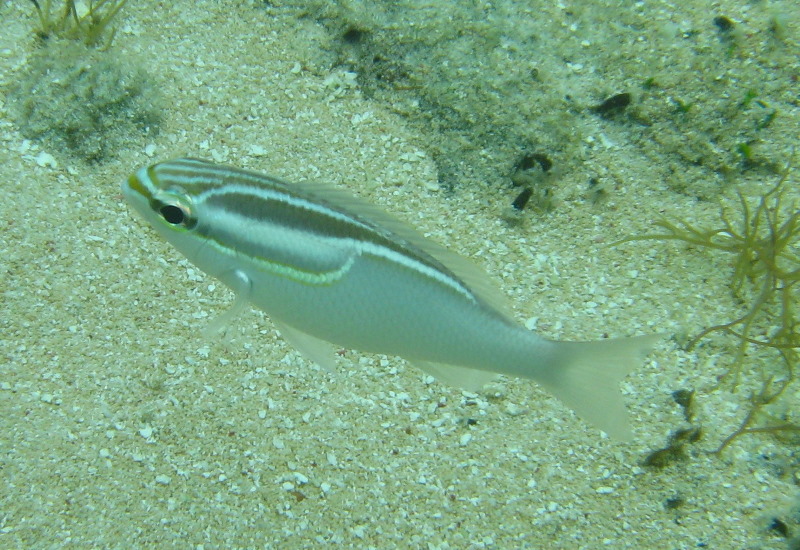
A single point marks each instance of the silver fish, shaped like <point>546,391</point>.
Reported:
<point>331,269</point>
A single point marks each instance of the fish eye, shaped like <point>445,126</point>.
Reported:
<point>175,212</point>
<point>172,214</point>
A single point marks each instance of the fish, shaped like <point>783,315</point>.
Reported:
<point>333,271</point>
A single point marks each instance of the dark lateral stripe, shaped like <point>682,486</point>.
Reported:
<point>249,199</point>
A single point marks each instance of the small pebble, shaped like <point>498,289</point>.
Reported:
<point>512,409</point>
<point>162,479</point>
<point>257,151</point>
<point>46,160</point>
<point>301,479</point>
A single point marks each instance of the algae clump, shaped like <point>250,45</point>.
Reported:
<point>77,94</point>
<point>763,239</point>
<point>90,26</point>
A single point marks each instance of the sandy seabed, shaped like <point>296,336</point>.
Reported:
<point>123,426</point>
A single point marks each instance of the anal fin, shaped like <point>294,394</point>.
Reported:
<point>315,349</point>
<point>460,377</point>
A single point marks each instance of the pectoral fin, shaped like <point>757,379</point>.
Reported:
<point>241,287</point>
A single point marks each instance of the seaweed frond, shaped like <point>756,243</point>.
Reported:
<point>759,421</point>
<point>763,237</point>
<point>93,28</point>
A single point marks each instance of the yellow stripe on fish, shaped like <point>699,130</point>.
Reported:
<point>331,269</point>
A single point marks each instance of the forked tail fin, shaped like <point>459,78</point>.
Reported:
<point>586,377</point>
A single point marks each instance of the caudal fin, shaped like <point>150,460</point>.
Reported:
<point>586,377</point>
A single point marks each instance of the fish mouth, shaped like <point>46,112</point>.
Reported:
<point>135,185</point>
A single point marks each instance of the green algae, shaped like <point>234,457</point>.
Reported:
<point>762,237</point>
<point>92,27</point>
<point>75,93</point>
